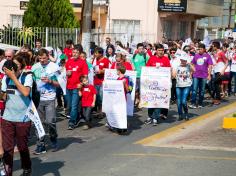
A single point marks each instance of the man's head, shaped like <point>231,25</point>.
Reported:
<point>216,45</point>
<point>2,54</point>
<point>140,48</point>
<point>69,43</point>
<point>25,48</point>
<point>108,40</point>
<point>38,43</point>
<point>43,56</point>
<point>159,50</point>
<point>99,52</point>
<point>75,53</point>
<point>9,54</point>
<point>202,48</point>
<point>172,52</point>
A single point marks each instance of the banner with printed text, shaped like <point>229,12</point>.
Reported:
<point>33,115</point>
<point>114,104</point>
<point>155,87</point>
<point>111,74</point>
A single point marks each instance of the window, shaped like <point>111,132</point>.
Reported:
<point>16,21</point>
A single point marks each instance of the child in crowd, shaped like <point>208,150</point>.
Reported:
<point>121,76</point>
<point>183,84</point>
<point>88,94</point>
<point>83,55</point>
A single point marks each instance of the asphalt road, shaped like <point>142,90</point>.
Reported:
<point>103,153</point>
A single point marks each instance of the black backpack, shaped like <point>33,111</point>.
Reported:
<point>35,94</point>
<point>144,56</point>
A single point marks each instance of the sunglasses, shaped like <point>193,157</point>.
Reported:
<point>173,52</point>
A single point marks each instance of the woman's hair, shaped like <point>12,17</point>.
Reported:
<point>21,59</point>
<point>27,58</point>
<point>113,50</point>
<point>9,64</point>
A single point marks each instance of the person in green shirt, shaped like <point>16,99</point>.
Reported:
<point>139,60</point>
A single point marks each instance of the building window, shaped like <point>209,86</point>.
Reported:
<point>16,21</point>
<point>128,29</point>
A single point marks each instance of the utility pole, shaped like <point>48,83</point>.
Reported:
<point>87,11</point>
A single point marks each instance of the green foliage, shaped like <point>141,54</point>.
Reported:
<point>234,115</point>
<point>50,13</point>
<point>26,34</point>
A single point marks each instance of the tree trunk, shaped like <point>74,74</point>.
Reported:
<point>86,27</point>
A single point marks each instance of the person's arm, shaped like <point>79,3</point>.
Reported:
<point>52,59</point>
<point>226,62</point>
<point>173,72</point>
<point>80,93</point>
<point>94,100</point>
<point>23,89</point>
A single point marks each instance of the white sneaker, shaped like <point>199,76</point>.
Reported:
<point>154,122</point>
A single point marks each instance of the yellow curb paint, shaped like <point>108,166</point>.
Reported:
<point>175,156</point>
<point>229,123</point>
<point>177,128</point>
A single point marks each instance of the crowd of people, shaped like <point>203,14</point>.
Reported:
<point>28,74</point>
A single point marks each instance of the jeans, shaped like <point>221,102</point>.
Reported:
<point>59,94</point>
<point>73,105</point>
<point>154,113</point>
<point>217,83</point>
<point>87,114</point>
<point>47,114</point>
<point>182,94</point>
<point>16,133</point>
<point>232,77</point>
<point>173,90</point>
<point>198,83</point>
<point>99,97</point>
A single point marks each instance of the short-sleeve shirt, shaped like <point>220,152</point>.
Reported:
<point>16,103</point>
<point>183,77</point>
<point>162,61</point>
<point>102,63</point>
<point>201,63</point>
<point>139,61</point>
<point>221,59</point>
<point>78,68</point>
<point>88,93</point>
<point>47,91</point>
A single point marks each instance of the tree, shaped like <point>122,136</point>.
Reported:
<point>50,13</point>
<point>87,11</point>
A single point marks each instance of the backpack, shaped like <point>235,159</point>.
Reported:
<point>34,95</point>
<point>130,84</point>
<point>144,56</point>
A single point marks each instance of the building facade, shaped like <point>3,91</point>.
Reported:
<point>215,27</point>
<point>132,21</point>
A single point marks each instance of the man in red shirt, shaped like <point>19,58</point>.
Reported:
<point>100,63</point>
<point>68,49</point>
<point>159,60</point>
<point>75,68</point>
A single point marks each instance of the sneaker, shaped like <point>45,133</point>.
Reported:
<point>186,117</point>
<point>85,127</point>
<point>40,149</point>
<point>192,106</point>
<point>54,147</point>
<point>71,127</point>
<point>180,117</point>
<point>163,116</point>
<point>200,106</point>
<point>148,121</point>
<point>26,172</point>
<point>2,168</point>
<point>154,122</point>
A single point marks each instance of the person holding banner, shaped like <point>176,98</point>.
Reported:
<point>159,60</point>
<point>120,59</point>
<point>100,63</point>
<point>45,76</point>
<point>15,125</point>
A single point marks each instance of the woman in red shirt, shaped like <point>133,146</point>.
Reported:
<point>121,60</point>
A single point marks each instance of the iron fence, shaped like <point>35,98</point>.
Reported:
<point>55,37</point>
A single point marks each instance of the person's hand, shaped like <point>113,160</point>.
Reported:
<point>68,73</point>
<point>222,73</point>
<point>79,86</point>
<point>46,80</point>
<point>93,105</point>
<point>158,65</point>
<point>209,77</point>
<point>9,73</point>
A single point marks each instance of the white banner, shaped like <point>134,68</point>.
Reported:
<point>111,74</point>
<point>114,104</point>
<point>33,115</point>
<point>61,78</point>
<point>155,87</point>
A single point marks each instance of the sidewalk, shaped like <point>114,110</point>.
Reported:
<point>204,132</point>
